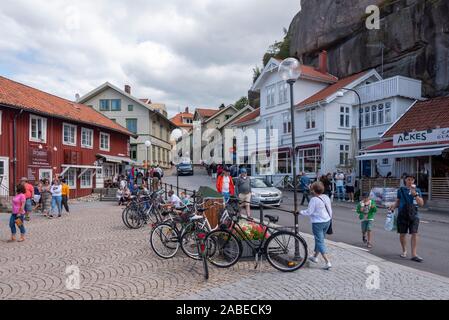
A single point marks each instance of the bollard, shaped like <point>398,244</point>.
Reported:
<point>261,213</point>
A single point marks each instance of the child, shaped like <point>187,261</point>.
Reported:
<point>366,210</point>
<point>185,198</point>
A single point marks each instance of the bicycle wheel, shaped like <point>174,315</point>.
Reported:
<point>189,245</point>
<point>164,241</point>
<point>286,251</point>
<point>124,213</point>
<point>133,218</point>
<point>223,248</point>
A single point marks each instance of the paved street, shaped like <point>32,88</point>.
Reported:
<point>434,229</point>
<point>117,263</point>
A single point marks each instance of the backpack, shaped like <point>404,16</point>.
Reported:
<point>409,210</point>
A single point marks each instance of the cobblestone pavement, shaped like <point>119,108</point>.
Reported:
<point>117,263</point>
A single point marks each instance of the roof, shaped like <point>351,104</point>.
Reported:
<point>177,119</point>
<point>250,116</point>
<point>423,115</point>
<point>206,113</point>
<point>220,111</point>
<point>236,116</point>
<point>21,96</point>
<point>330,90</point>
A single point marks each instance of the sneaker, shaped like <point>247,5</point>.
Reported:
<point>365,241</point>
<point>417,259</point>
<point>313,259</point>
<point>328,266</point>
<point>370,246</point>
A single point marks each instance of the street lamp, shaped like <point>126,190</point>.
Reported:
<point>341,94</point>
<point>148,145</point>
<point>290,70</point>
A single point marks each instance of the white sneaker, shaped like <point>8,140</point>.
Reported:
<point>313,259</point>
<point>328,266</point>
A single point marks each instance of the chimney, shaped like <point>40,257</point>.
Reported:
<point>128,89</point>
<point>77,97</point>
<point>187,109</point>
<point>322,62</point>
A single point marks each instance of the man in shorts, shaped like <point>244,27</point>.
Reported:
<point>243,185</point>
<point>409,198</point>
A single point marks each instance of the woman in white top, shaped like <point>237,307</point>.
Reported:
<point>320,213</point>
<point>56,197</point>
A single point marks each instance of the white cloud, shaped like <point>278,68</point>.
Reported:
<point>183,53</point>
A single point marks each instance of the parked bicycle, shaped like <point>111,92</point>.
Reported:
<point>142,210</point>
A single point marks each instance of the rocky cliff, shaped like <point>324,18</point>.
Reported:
<point>413,33</point>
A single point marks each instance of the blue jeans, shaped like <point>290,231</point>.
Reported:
<point>56,201</point>
<point>319,232</point>
<point>12,224</point>
<point>341,193</point>
<point>226,196</point>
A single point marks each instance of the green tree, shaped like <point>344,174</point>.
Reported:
<point>241,103</point>
<point>256,73</point>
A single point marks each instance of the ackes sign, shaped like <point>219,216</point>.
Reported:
<point>433,136</point>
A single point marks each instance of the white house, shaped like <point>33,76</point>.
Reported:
<point>146,120</point>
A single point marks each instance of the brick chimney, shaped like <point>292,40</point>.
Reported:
<point>187,110</point>
<point>128,89</point>
<point>322,62</point>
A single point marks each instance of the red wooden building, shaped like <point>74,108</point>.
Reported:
<point>42,135</point>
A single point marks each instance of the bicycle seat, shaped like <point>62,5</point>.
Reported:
<point>201,210</point>
<point>196,218</point>
<point>272,219</point>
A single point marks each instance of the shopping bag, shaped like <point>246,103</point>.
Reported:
<point>390,222</point>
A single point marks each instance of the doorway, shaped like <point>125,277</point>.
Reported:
<point>4,176</point>
<point>46,174</point>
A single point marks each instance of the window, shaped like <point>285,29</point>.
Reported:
<point>86,180</point>
<point>309,160</point>
<point>68,134</point>
<point>385,161</point>
<point>367,116</point>
<point>116,105</point>
<point>380,113</point>
<point>133,153</point>
<point>38,129</point>
<point>87,138</point>
<point>271,91</point>
<point>284,163</point>
<point>217,121</point>
<point>283,92</point>
<point>104,141</point>
<point>70,176</point>
<point>374,115</point>
<point>344,117</point>
<point>104,105</point>
<point>161,131</point>
<point>269,127</point>
<point>287,123</point>
<point>187,120</point>
<point>154,154</point>
<point>311,118</point>
<point>153,129</point>
<point>387,112</point>
<point>229,116</point>
<point>344,154</point>
<point>130,108</point>
<point>131,125</point>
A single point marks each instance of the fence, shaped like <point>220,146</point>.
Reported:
<point>368,184</point>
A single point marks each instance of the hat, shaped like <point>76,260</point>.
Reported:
<point>243,170</point>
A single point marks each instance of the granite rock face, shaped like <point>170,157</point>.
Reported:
<point>413,33</point>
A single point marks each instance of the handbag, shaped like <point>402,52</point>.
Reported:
<point>330,231</point>
<point>18,222</point>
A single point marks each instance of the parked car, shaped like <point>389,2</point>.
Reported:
<point>185,169</point>
<point>265,193</point>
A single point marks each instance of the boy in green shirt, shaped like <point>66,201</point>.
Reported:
<point>366,209</point>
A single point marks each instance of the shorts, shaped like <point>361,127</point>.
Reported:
<point>349,189</point>
<point>367,225</point>
<point>28,206</point>
<point>406,225</point>
<point>245,197</point>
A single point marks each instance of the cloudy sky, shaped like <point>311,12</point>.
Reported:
<point>197,53</point>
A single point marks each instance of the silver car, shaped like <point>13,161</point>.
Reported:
<point>262,192</point>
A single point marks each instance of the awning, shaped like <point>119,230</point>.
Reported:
<point>403,154</point>
<point>116,159</point>
<point>66,168</point>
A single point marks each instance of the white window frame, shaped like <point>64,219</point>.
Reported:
<point>286,123</point>
<point>311,119</point>
<point>84,186</point>
<point>346,152</point>
<point>44,129</point>
<point>271,95</point>
<point>109,141</point>
<point>71,173</point>
<point>83,145</point>
<point>283,92</point>
<point>346,114</point>
<point>388,110</point>
<point>269,127</point>
<point>64,125</point>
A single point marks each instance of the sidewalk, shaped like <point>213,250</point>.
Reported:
<point>117,263</point>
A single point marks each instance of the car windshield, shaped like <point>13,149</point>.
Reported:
<point>258,183</point>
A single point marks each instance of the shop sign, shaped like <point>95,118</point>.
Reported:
<point>427,136</point>
<point>39,157</point>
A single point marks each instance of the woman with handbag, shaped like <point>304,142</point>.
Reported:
<point>320,213</point>
<point>18,212</point>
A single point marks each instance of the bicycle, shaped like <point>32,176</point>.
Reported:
<point>284,250</point>
<point>142,209</point>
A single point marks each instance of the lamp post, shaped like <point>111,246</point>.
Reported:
<point>148,145</point>
<point>290,70</point>
<point>341,94</point>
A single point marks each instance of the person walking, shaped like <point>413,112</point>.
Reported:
<point>225,185</point>
<point>350,185</point>
<point>18,211</point>
<point>340,184</point>
<point>214,170</point>
<point>366,209</point>
<point>56,197</point>
<point>409,198</point>
<point>65,195</point>
<point>29,194</point>
<point>46,197</point>
<point>320,214</point>
<point>304,184</point>
<point>243,189</point>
